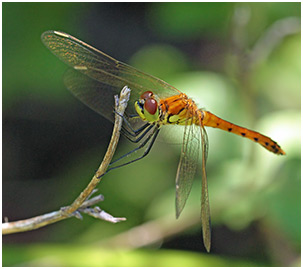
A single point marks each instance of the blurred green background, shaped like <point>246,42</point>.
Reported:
<point>240,61</point>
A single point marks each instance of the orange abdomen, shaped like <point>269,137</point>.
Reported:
<point>216,122</point>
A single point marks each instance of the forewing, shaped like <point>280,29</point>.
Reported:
<point>103,68</point>
<point>89,92</point>
<point>187,165</point>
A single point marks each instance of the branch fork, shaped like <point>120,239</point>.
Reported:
<point>83,203</point>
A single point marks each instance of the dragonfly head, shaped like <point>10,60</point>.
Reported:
<point>147,107</point>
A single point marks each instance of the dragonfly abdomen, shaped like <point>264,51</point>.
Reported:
<point>216,122</point>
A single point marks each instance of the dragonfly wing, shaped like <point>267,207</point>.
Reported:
<point>89,92</point>
<point>205,209</point>
<point>187,165</point>
<point>103,68</point>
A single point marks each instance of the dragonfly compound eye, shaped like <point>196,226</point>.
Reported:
<point>151,110</point>
<point>151,106</point>
<point>147,95</point>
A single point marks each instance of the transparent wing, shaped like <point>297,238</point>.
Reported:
<point>89,92</point>
<point>187,165</point>
<point>113,75</point>
<point>205,210</point>
<point>193,136</point>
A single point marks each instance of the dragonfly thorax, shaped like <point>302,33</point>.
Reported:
<point>180,110</point>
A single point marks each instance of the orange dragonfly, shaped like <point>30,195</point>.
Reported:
<point>95,77</point>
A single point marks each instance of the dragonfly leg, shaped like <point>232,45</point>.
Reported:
<point>125,118</point>
<point>131,131</point>
<point>135,138</point>
<point>140,146</point>
<point>132,134</point>
<point>131,115</point>
<point>152,136</point>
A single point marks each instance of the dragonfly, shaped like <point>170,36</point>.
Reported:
<point>94,77</point>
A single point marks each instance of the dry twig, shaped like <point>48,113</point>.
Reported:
<point>82,202</point>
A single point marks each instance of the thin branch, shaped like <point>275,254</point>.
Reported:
<point>82,203</point>
<point>152,232</point>
<point>120,108</point>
